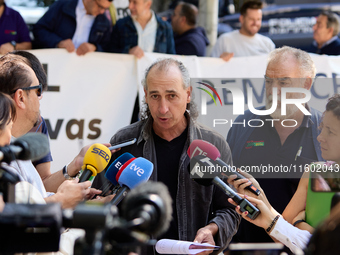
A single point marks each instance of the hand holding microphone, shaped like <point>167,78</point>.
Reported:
<point>95,160</point>
<point>241,186</point>
<point>198,171</point>
<point>264,219</point>
<point>71,192</point>
<point>200,147</point>
<point>76,164</point>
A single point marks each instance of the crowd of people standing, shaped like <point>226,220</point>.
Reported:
<point>168,125</point>
<point>89,25</point>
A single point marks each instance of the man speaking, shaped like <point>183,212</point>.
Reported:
<point>163,135</point>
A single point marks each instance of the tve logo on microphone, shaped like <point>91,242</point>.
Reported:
<point>139,171</point>
<point>101,153</point>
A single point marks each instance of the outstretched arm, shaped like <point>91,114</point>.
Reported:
<point>274,224</point>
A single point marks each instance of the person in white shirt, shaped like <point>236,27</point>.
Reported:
<point>246,41</point>
<point>142,31</point>
<point>145,23</point>
<point>79,26</point>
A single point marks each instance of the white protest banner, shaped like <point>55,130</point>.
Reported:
<point>94,98</point>
<point>248,72</point>
<point>95,93</point>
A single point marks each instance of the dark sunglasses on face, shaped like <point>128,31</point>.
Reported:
<point>39,91</point>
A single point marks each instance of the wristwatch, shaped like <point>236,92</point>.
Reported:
<point>67,177</point>
<point>14,44</point>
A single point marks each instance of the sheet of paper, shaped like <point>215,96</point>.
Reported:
<point>168,246</point>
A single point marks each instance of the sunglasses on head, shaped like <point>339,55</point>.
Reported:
<point>39,87</point>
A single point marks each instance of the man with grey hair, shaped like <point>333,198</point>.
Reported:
<point>279,140</point>
<point>167,128</point>
<point>326,30</point>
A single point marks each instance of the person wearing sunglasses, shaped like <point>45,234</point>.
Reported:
<point>19,81</point>
<point>75,25</point>
<point>42,165</point>
<point>38,89</point>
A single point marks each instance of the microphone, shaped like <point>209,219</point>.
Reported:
<point>7,181</point>
<point>123,167</point>
<point>200,147</point>
<point>8,177</point>
<point>119,192</point>
<point>95,160</point>
<point>148,208</point>
<point>112,171</point>
<point>199,166</point>
<point>31,146</point>
<point>115,178</point>
<point>136,172</point>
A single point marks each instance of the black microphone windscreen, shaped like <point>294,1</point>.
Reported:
<point>34,146</point>
<point>138,194</point>
<point>8,176</point>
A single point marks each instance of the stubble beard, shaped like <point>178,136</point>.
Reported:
<point>290,109</point>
